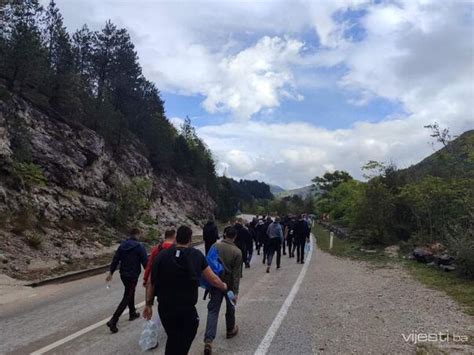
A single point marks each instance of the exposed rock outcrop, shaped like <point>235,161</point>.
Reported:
<point>56,210</point>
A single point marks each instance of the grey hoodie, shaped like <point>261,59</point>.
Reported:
<point>275,231</point>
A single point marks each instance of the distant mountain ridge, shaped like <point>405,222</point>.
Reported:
<point>275,189</point>
<point>302,192</point>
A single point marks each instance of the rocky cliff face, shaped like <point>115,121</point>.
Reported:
<point>55,209</point>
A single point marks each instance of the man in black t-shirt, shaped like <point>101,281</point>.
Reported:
<point>175,280</point>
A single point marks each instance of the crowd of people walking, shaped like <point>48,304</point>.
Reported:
<point>175,270</point>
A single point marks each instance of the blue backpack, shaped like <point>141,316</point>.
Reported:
<point>215,264</point>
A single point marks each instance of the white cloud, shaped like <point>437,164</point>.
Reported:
<point>239,55</point>
<point>254,79</point>
<point>243,57</point>
<point>291,154</point>
<point>177,122</point>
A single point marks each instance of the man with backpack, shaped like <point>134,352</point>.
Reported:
<point>131,255</point>
<point>210,233</point>
<point>231,259</point>
<point>175,278</point>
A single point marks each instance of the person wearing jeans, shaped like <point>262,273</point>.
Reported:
<point>213,308</point>
<point>275,238</point>
<point>274,246</point>
<point>231,259</point>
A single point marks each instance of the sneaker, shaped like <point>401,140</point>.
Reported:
<point>207,347</point>
<point>112,326</point>
<point>134,316</point>
<point>233,333</point>
<point>268,269</point>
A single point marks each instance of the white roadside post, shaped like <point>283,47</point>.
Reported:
<point>331,238</point>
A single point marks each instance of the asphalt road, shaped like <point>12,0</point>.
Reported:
<point>58,311</point>
<point>327,306</point>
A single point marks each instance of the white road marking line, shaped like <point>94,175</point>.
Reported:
<point>85,330</point>
<point>271,332</point>
<point>76,335</point>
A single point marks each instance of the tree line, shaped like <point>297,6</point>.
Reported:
<point>431,202</point>
<point>94,78</point>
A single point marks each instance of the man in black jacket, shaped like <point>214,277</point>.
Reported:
<point>243,240</point>
<point>131,255</point>
<point>302,233</point>
<point>210,233</point>
<point>290,236</point>
<point>265,240</point>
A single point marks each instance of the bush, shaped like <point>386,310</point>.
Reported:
<point>436,203</point>
<point>461,245</point>
<point>28,174</point>
<point>23,220</point>
<point>130,200</point>
<point>34,241</point>
<point>4,94</point>
<point>375,213</point>
<point>148,220</point>
<point>151,236</point>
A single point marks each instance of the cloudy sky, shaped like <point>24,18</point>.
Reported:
<point>282,91</point>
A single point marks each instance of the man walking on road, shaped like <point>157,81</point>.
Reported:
<point>302,233</point>
<point>170,239</point>
<point>290,236</point>
<point>210,233</point>
<point>260,233</point>
<point>265,240</point>
<point>275,238</point>
<point>175,280</point>
<point>243,240</point>
<point>131,255</point>
<point>231,259</point>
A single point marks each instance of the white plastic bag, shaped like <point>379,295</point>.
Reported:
<point>149,338</point>
<point>307,248</point>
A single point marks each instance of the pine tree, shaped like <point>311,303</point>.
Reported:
<point>58,42</point>
<point>83,55</point>
<point>103,55</point>
<point>62,81</point>
<point>23,62</point>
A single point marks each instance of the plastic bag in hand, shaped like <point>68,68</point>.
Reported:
<point>307,248</point>
<point>149,338</point>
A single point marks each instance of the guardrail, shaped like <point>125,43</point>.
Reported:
<point>76,275</point>
<point>339,232</point>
